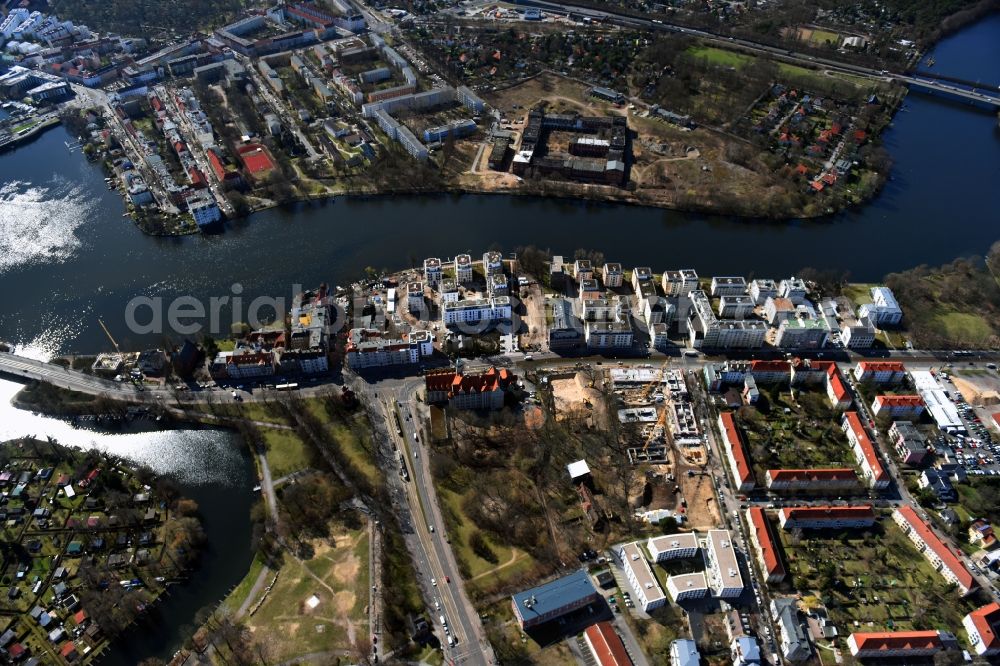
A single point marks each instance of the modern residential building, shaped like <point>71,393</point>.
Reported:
<point>738,306</point>
<point>883,310</point>
<point>683,545</point>
<point>498,285</point>
<point>606,645</point>
<point>802,333</point>
<point>765,545</point>
<point>477,390</point>
<point>642,281</point>
<point>857,334</point>
<point>552,600</point>
<point>684,652</point>
<point>648,593</point>
<point>707,331</point>
<point>826,517</point>
<point>477,312</point>
<point>794,289</point>
<point>745,652</point>
<point>899,644</point>
<point>566,330</point>
<point>812,480</point>
<point>736,453</point>
<point>687,586</point>
<point>722,568</point>
<point>608,335</point>
<point>590,288</point>
<point>679,283</point>
<point>761,290</point>
<point>449,291</point>
<point>415,297</point>
<point>898,406</point>
<point>777,309</point>
<point>728,286</point>
<point>596,309</point>
<point>794,637</point>
<point>582,270</point>
<point>463,269</point>
<point>909,443</point>
<point>612,275</point>
<point>864,451</point>
<point>492,263</point>
<point>368,349</point>
<point>983,627</point>
<point>886,373</point>
<point>936,551</point>
<point>659,336</point>
<point>432,271</point>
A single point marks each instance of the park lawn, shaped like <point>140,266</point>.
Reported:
<point>263,412</point>
<point>286,452</point>
<point>859,293</point>
<point>880,581</point>
<point>823,36</point>
<point>291,627</point>
<point>240,592</point>
<point>720,57</point>
<point>348,438</point>
<point>970,329</point>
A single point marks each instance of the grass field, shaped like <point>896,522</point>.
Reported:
<point>349,441</point>
<point>878,580</point>
<point>821,37</point>
<point>720,57</point>
<point>971,329</point>
<point>859,293</point>
<point>286,452</point>
<point>338,576</point>
<point>240,592</point>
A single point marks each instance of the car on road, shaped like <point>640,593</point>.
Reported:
<point>434,582</point>
<point>447,579</point>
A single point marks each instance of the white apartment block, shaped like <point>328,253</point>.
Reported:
<point>735,307</point>
<point>729,286</point>
<point>596,309</point>
<point>647,590</point>
<point>983,628</point>
<point>415,296</point>
<point>860,335</point>
<point>679,283</point>
<point>492,263</point>
<point>802,333</point>
<point>761,290</point>
<point>582,270</point>
<point>463,269</point>
<point>475,311</point>
<point>687,586</point>
<point>367,349</point>
<point>659,336</point>
<point>722,567</point>
<point>656,310</point>
<point>721,334</point>
<point>777,309</point>
<point>793,289</point>
<point>934,550</point>
<point>608,335</point>
<point>432,271</point>
<point>642,281</point>
<point>883,310</point>
<point>683,545</point>
<point>612,275</point>
<point>449,291</point>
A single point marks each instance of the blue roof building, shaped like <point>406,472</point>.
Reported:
<point>555,599</point>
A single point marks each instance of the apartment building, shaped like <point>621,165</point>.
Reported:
<point>684,652</point>
<point>449,291</point>
<point>498,285</point>
<point>659,336</point>
<point>761,290</point>
<point>477,390</point>
<point>245,364</point>
<point>794,289</point>
<point>771,372</point>
<point>778,309</point>
<point>826,480</point>
<point>864,451</point>
<point>583,270</point>
<point>554,599</point>
<point>463,269</point>
<point>826,517</point>
<point>612,275</point>
<point>492,263</point>
<point>736,453</point>
<point>934,550</point>
<point>884,373</point>
<point>432,271</point>
<point>608,335</point>
<point>687,586</point>
<point>722,567</point>
<point>883,310</point>
<point>590,288</point>
<point>708,331</point>
<point>909,443</point>
<point>649,594</point>
<point>679,283</point>
<point>597,309</point>
<point>606,645</point>
<point>566,330</point>
<point>657,310</point>
<point>857,334</point>
<point>794,639</point>
<point>728,286</point>
<point>368,349</point>
<point>766,546</point>
<point>415,297</point>
<point>983,627</point>
<point>745,651</point>
<point>898,406</point>
<point>642,281</point>
<point>477,311</point>
<point>899,644</point>
<point>802,333</point>
<point>738,306</point>
<point>683,545</point>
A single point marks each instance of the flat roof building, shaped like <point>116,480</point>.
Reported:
<point>552,600</point>
<point>723,569</point>
<point>647,589</point>
<point>687,586</point>
<point>673,546</point>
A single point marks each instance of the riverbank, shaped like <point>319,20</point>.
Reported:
<point>21,135</point>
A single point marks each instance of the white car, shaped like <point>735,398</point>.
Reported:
<point>434,582</point>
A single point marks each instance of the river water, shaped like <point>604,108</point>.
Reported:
<point>67,257</point>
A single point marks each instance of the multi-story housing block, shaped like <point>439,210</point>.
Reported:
<point>763,289</point>
<point>885,373</point>
<point>463,269</point>
<point>477,390</point>
<point>583,270</point>
<point>642,282</point>
<point>826,480</point>
<point>415,297</point>
<point>909,443</point>
<point>864,451</point>
<point>983,628</point>
<point>934,550</point>
<point>612,275</point>
<point>794,289</point>
<point>679,283</point>
<point>687,586</point>
<point>898,406</point>
<point>479,311</point>
<point>683,545</point>
<point>432,271</point>
<point>608,335</point>
<point>858,334</point>
<point>826,517</point>
<point>765,545</point>
<point>883,310</point>
<point>899,645</point>
<point>649,594</point>
<point>802,333</point>
<point>735,307</point>
<point>736,454</point>
<point>722,569</point>
<point>729,286</point>
<point>492,263</point>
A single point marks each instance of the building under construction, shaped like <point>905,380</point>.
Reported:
<point>596,150</point>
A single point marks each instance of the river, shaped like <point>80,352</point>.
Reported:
<point>67,257</point>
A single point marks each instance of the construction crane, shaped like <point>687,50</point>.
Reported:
<point>118,351</point>
<point>661,421</point>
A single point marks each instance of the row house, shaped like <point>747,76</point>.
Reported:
<point>826,517</point>
<point>765,545</point>
<point>864,451</point>
<point>898,406</point>
<point>736,453</point>
<point>899,644</point>
<point>827,480</point>
<point>934,550</point>
<point>886,373</point>
<point>648,592</point>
